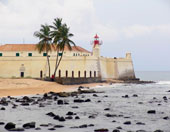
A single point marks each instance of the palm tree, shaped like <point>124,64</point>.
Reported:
<point>44,44</point>
<point>61,39</point>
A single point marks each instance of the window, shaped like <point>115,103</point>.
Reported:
<point>17,54</point>
<point>29,54</point>
<point>73,54</point>
<point>60,54</point>
<point>44,54</point>
<point>1,54</point>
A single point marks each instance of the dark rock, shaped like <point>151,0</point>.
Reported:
<point>168,91</point>
<point>25,104</point>
<point>101,130</point>
<point>135,95</point>
<point>127,123</point>
<point>38,128</point>
<point>77,117</point>
<point>44,125</point>
<point>113,121</point>
<point>41,105</point>
<point>87,100</point>
<point>99,101</point>
<point>90,125</point>
<point>81,87</point>
<point>55,98</point>
<point>151,112</point>
<point>126,96</point>
<point>110,115</point>
<point>165,98</point>
<point>3,108</point>
<point>78,101</point>
<point>92,117</point>
<point>158,131</point>
<point>140,131</point>
<point>45,95</point>
<point>69,117</point>
<point>58,126</point>
<point>61,119</point>
<point>140,102</point>
<point>9,126</point>
<point>140,123</point>
<point>56,117</point>
<point>17,129</point>
<point>119,127</point>
<point>83,126</point>
<point>60,102</point>
<point>70,113</point>
<point>116,130</point>
<point>29,125</point>
<point>154,98</point>
<point>2,123</point>
<point>106,96</point>
<point>63,94</point>
<point>75,107</point>
<point>51,114</point>
<point>95,95</point>
<point>107,109</point>
<point>166,118</point>
<point>51,129</point>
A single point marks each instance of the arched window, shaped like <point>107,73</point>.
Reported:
<point>94,73</point>
<point>41,74</point>
<point>79,74</point>
<point>72,74</point>
<point>85,74</point>
<point>66,74</point>
<point>90,74</point>
<point>59,73</point>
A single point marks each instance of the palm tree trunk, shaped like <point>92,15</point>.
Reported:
<point>49,69</point>
<point>56,63</point>
<point>59,60</point>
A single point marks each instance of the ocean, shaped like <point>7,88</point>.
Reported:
<point>122,107</point>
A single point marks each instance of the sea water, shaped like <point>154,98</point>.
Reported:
<point>133,109</point>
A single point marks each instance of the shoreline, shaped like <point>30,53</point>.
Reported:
<point>22,87</point>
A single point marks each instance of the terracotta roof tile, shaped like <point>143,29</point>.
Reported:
<point>32,47</point>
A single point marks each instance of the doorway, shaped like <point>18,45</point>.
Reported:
<point>22,74</point>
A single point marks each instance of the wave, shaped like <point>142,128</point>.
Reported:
<point>163,82</point>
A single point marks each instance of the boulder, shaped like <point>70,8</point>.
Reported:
<point>60,102</point>
<point>56,117</point>
<point>2,123</point>
<point>78,101</point>
<point>101,130</point>
<point>77,117</point>
<point>158,131</point>
<point>116,130</point>
<point>58,126</point>
<point>51,114</point>
<point>151,112</point>
<point>83,126</point>
<point>61,119</point>
<point>70,113</point>
<point>9,126</point>
<point>3,108</point>
<point>17,129</point>
<point>127,123</point>
<point>51,129</point>
<point>29,125</point>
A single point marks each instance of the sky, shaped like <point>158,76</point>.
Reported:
<point>141,27</point>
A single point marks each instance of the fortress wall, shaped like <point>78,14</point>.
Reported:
<point>13,66</point>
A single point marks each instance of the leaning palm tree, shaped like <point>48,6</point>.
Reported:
<point>61,39</point>
<point>45,41</point>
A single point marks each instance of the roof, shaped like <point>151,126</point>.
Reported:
<point>32,47</point>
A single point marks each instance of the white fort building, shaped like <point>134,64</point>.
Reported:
<point>23,60</point>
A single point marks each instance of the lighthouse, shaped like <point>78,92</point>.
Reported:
<point>96,46</point>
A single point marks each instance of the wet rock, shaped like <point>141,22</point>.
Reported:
<point>69,117</point>
<point>58,126</point>
<point>165,98</point>
<point>90,125</point>
<point>61,119</point>
<point>116,130</point>
<point>51,129</point>
<point>3,108</point>
<point>127,123</point>
<point>75,107</point>
<point>38,128</point>
<point>113,121</point>
<point>126,96</point>
<point>140,123</point>
<point>55,98</point>
<point>77,117</point>
<point>56,117</point>
<point>9,126</point>
<point>51,114</point>
<point>110,115</point>
<point>44,125</point>
<point>95,95</point>
<point>99,101</point>
<point>41,105</point>
<point>78,101</point>
<point>17,129</point>
<point>60,102</point>
<point>151,112</point>
<point>119,127</point>
<point>87,100</point>
<point>4,102</point>
<point>63,94</point>
<point>92,116</point>
<point>166,118</point>
<point>158,131</point>
<point>29,125</point>
<point>83,126</point>
<point>135,95</point>
<point>45,95</point>
<point>140,131</point>
<point>70,113</point>
<point>25,104</point>
<point>101,130</point>
<point>107,109</point>
<point>2,123</point>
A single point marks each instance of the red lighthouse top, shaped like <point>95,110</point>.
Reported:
<point>96,36</point>
<point>96,40</point>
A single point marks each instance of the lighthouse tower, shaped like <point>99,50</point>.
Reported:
<point>96,46</point>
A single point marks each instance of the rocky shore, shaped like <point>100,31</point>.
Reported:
<point>83,110</point>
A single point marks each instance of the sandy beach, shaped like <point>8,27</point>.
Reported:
<point>17,87</point>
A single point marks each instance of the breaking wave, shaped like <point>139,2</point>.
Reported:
<point>163,82</point>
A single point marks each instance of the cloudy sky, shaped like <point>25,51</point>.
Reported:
<point>141,27</point>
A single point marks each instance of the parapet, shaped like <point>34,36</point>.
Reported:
<point>128,55</point>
